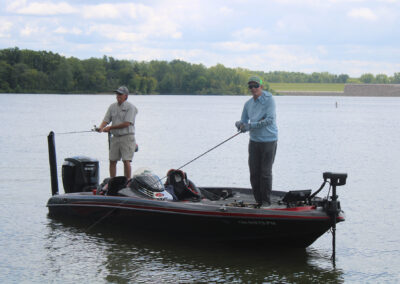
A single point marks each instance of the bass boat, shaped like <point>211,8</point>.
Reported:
<point>178,207</point>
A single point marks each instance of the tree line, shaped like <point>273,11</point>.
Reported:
<point>28,71</point>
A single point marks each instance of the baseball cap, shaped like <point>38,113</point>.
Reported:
<point>122,90</point>
<point>255,79</point>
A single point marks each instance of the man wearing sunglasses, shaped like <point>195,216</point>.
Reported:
<point>259,118</point>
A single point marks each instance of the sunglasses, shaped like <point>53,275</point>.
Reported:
<point>254,86</point>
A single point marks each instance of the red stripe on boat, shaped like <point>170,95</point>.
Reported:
<point>215,213</point>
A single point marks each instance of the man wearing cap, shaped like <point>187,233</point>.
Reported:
<point>122,114</point>
<point>259,118</point>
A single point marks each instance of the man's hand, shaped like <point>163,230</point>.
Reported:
<point>238,125</point>
<point>102,127</point>
<point>244,127</point>
<point>106,129</point>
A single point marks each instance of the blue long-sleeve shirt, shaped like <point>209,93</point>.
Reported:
<point>261,116</point>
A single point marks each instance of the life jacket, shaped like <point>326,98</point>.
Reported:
<point>183,188</point>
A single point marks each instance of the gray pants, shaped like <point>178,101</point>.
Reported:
<point>261,159</point>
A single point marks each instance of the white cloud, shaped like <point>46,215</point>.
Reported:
<point>63,30</point>
<point>40,8</point>
<point>28,30</point>
<point>226,11</point>
<point>362,13</point>
<point>136,11</point>
<point>133,22</point>
<point>101,11</point>
<point>249,33</point>
<point>356,68</point>
<point>294,24</point>
<point>116,33</point>
<point>162,23</point>
<point>106,49</point>
<point>124,12</point>
<point>322,49</point>
<point>141,53</point>
<point>11,6</point>
<point>5,27</point>
<point>236,46</point>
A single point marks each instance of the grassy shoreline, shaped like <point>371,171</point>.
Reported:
<point>305,87</point>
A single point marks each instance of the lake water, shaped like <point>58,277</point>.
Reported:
<point>360,136</point>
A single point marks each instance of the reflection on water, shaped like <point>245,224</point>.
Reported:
<point>125,255</point>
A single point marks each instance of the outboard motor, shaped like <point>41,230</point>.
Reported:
<point>149,185</point>
<point>80,174</point>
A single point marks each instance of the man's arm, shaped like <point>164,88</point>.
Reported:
<point>118,126</point>
<point>268,118</point>
<point>101,127</point>
<point>245,116</point>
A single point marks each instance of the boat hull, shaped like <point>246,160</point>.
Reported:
<point>297,227</point>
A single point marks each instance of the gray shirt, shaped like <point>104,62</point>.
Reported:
<point>117,114</point>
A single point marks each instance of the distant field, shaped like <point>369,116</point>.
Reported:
<point>307,87</point>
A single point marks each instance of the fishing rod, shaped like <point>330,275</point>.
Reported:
<point>94,129</point>
<point>226,140</point>
<point>73,132</point>
<point>201,155</point>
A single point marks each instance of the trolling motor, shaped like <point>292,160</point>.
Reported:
<point>334,179</point>
<point>332,207</point>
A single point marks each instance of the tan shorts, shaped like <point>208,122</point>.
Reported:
<point>122,147</point>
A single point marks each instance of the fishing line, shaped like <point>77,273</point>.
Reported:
<point>94,129</point>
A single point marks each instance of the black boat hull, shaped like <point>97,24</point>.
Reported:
<point>295,227</point>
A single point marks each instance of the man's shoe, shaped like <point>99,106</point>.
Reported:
<point>266,205</point>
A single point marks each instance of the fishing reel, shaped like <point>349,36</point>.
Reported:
<point>95,128</point>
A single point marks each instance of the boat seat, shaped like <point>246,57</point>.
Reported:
<point>115,184</point>
<point>183,188</point>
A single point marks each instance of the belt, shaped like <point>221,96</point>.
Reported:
<point>123,135</point>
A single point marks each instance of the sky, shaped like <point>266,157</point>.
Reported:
<point>351,37</point>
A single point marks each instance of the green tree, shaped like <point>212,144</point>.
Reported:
<point>167,84</point>
<point>33,81</point>
<point>396,78</point>
<point>77,72</point>
<point>94,76</point>
<point>62,79</point>
<point>10,55</point>
<point>367,78</point>
<point>382,79</point>
<point>343,78</point>
<point>151,85</point>
<point>5,76</point>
